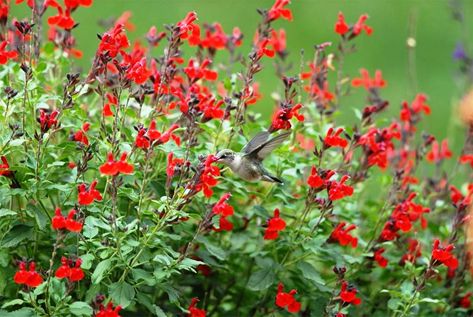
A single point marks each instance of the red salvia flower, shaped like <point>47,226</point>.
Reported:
<point>360,25</point>
<point>275,225</point>
<point>194,311</point>
<point>413,253</point>
<point>444,255</point>
<point>437,154</point>
<point>465,301</point>
<point>315,180</point>
<point>341,27</point>
<point>76,3</point>
<point>211,109</point>
<point>278,41</point>
<point>261,47</point>
<point>378,257</point>
<point>5,55</point>
<point>282,117</point>
<point>187,25</point>
<point>59,222</point>
<point>342,235</point>
<point>332,138</point>
<point>46,120</point>
<point>348,294</point>
<point>367,82</point>
<point>196,70</point>
<point>87,196</point>
<point>467,159</point>
<point>173,163</point>
<point>29,278</point>
<point>222,208</point>
<point>63,18</point>
<point>107,108</point>
<point>113,41</point>
<point>5,167</point>
<point>112,167</point>
<point>108,311</point>
<point>70,270</point>
<point>81,136</point>
<point>154,37</point>
<point>339,190</point>
<point>278,11</point>
<point>287,300</point>
<point>138,72</point>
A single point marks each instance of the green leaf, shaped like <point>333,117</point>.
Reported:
<point>262,279</point>
<point>159,312</point>
<point>81,309</point>
<point>310,273</point>
<point>214,250</point>
<point>23,312</point>
<point>16,235</point>
<point>100,271</point>
<point>7,212</point>
<point>87,260</point>
<point>13,303</point>
<point>122,293</point>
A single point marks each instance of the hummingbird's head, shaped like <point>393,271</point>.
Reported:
<point>225,156</point>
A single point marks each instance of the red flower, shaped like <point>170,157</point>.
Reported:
<point>194,311</point>
<point>5,167</point>
<point>107,108</point>
<point>278,11</point>
<point>29,278</point>
<point>287,300</point>
<point>367,82</point>
<point>222,208</point>
<point>465,301</point>
<point>361,26</point>
<point>332,138</point>
<point>342,235</point>
<point>59,222</point>
<point>113,41</point>
<point>138,72</point>
<point>413,253</point>
<point>437,154</point>
<point>70,270</point>
<point>278,41</point>
<point>348,294</point>
<point>187,25</point>
<point>87,196</point>
<point>341,27</point>
<point>211,109</point>
<point>444,255</point>
<point>314,180</point>
<point>467,158</point>
<point>196,71</point>
<point>63,18</point>
<point>282,117</point>
<point>46,120</point>
<point>172,164</point>
<point>339,190</point>
<point>108,311</point>
<point>112,167</point>
<point>75,3</point>
<point>154,37</point>
<point>382,261</point>
<point>4,54</point>
<point>207,178</point>
<point>147,136</point>
<point>80,135</point>
<point>417,106</point>
<point>275,225</point>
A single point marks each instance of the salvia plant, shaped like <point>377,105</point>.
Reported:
<point>131,188</point>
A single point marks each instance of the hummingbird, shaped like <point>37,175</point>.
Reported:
<point>248,164</point>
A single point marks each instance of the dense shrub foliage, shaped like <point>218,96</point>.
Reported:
<point>115,199</point>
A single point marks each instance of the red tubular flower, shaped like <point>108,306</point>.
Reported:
<point>367,82</point>
<point>348,294</point>
<point>342,235</point>
<point>287,300</point>
<point>361,26</point>
<point>5,167</point>
<point>438,154</point>
<point>107,108</point>
<point>278,11</point>
<point>207,178</point>
<point>58,222</point>
<point>141,140</point>
<point>29,278</point>
<point>211,109</point>
<point>275,225</point>
<point>138,72</point>
<point>444,255</point>
<point>222,208</point>
<point>341,27</point>
<point>172,164</point>
<point>71,224</point>
<point>261,47</point>
<point>314,180</point>
<point>187,25</point>
<point>46,120</point>
<point>63,18</point>
<point>465,301</point>
<point>5,55</point>
<point>76,273</point>
<point>80,135</point>
<point>76,3</point>
<point>413,253</point>
<point>154,37</point>
<point>339,190</point>
<point>196,71</point>
<point>108,311</point>
<point>378,257</point>
<point>64,270</point>
<point>282,117</point>
<point>112,167</point>
<point>467,159</point>
<point>87,196</point>
<point>194,311</point>
<point>123,166</point>
<point>278,41</point>
<point>113,41</point>
<point>332,138</point>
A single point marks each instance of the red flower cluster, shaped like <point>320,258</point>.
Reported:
<point>275,225</point>
<point>196,70</point>
<point>316,181</point>
<point>59,222</point>
<point>339,190</point>
<point>342,235</point>
<point>146,137</point>
<point>30,278</point>
<point>172,164</point>
<point>341,27</point>
<point>108,311</point>
<point>5,167</point>
<point>224,210</point>
<point>367,82</point>
<point>458,199</point>
<point>113,41</point>
<point>63,18</point>
<point>332,138</point>
<point>378,257</point>
<point>70,269</point>
<point>112,167</point>
<point>348,294</point>
<point>87,196</point>
<point>194,311</point>
<point>5,55</point>
<point>46,120</point>
<point>207,178</point>
<point>413,252</point>
<point>378,144</point>
<point>278,11</point>
<point>402,217</point>
<point>282,117</point>
<point>438,154</point>
<point>287,300</point>
<point>107,108</point>
<point>80,135</point>
<point>410,112</point>
<point>216,39</point>
<point>444,255</point>
<point>187,26</point>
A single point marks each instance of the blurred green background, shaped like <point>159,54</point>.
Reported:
<point>436,34</point>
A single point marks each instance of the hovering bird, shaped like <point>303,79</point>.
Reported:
<point>248,164</point>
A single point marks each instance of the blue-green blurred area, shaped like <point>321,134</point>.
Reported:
<point>435,30</point>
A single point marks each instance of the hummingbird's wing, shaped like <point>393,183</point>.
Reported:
<point>254,143</point>
<point>263,150</point>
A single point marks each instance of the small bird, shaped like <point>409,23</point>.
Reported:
<point>248,164</point>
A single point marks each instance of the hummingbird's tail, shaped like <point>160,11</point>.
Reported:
<point>272,179</point>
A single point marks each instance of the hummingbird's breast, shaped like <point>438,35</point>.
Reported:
<point>246,169</point>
